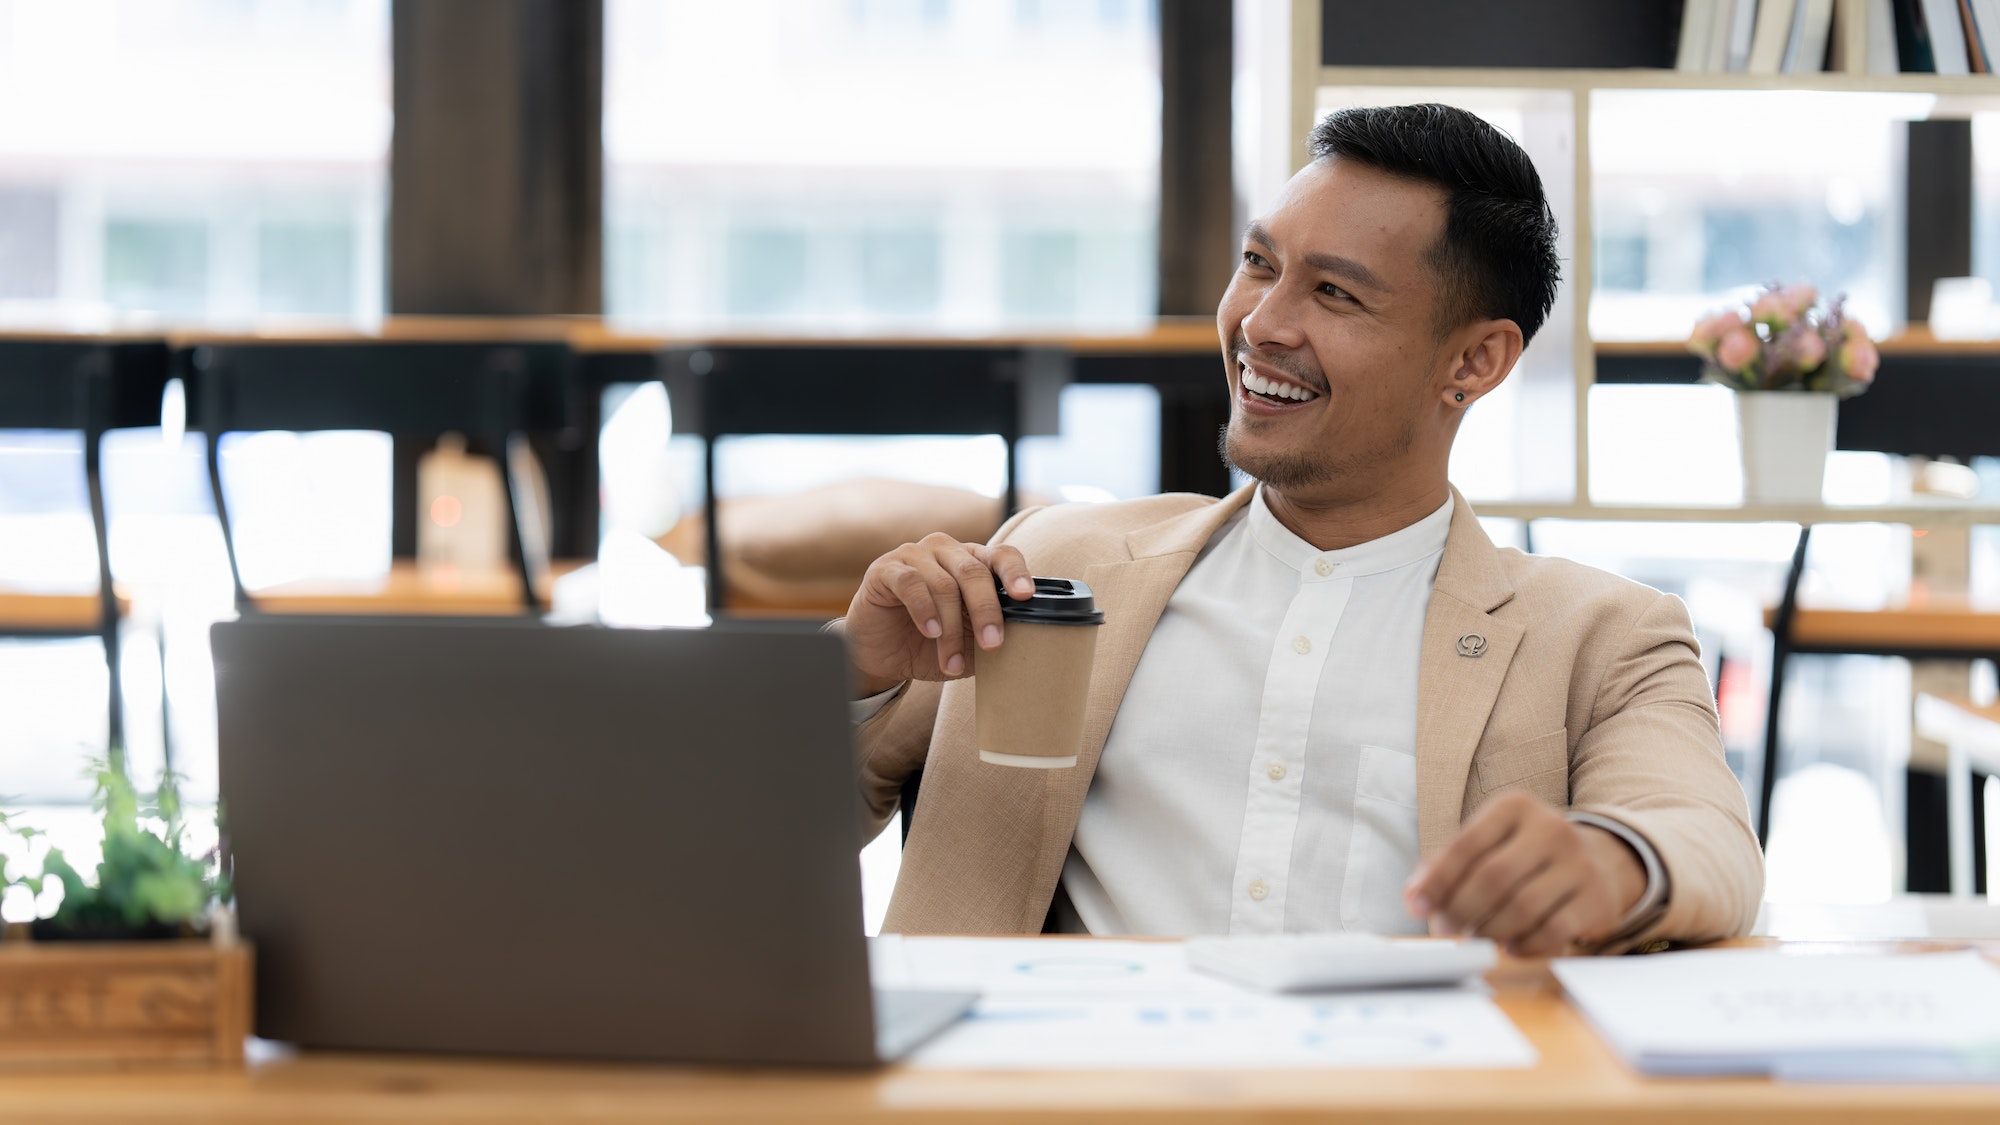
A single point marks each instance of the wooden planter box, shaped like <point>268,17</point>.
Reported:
<point>98,1003</point>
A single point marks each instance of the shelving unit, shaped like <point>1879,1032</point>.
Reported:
<point>1956,93</point>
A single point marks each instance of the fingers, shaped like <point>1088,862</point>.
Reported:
<point>930,595</point>
<point>1580,921</point>
<point>1438,879</point>
<point>1533,902</point>
<point>1011,567</point>
<point>975,592</point>
<point>1491,883</point>
<point>946,588</point>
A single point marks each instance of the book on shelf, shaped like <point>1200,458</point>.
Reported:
<point>1841,36</point>
<point>1698,19</point>
<point>1975,50</point>
<point>1881,33</point>
<point>1812,26</point>
<point>1772,35</point>
<point>1946,28</point>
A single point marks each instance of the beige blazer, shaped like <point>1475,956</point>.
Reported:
<point>1589,695</point>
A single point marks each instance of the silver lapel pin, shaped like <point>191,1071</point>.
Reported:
<point>1472,644</point>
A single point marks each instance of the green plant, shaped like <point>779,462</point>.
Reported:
<point>146,878</point>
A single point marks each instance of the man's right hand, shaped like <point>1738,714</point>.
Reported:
<point>923,607</point>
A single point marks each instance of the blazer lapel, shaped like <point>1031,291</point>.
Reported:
<point>1466,653</point>
<point>1133,594</point>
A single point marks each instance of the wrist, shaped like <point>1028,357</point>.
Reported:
<point>867,686</point>
<point>1621,864</point>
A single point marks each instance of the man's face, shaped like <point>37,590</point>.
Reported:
<point>1332,316</point>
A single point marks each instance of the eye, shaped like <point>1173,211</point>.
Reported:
<point>1255,260</point>
<point>1332,290</point>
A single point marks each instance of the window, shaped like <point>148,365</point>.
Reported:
<point>159,267</point>
<point>27,243</point>
<point>306,268</point>
<point>1701,196</point>
<point>899,271</point>
<point>957,166</point>
<point>192,161</point>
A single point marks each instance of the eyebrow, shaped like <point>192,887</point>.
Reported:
<point>1334,264</point>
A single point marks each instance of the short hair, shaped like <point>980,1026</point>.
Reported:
<point>1497,256</point>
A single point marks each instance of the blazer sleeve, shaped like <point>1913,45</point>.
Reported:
<point>894,742</point>
<point>1653,761</point>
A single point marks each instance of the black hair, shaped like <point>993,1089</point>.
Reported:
<point>1497,256</point>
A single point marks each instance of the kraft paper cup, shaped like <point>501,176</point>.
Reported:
<point>1030,692</point>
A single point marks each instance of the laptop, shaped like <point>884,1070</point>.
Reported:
<point>505,837</point>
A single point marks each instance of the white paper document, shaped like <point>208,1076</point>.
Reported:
<point>1093,1005</point>
<point>1888,1017</point>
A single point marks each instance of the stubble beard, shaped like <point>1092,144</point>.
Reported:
<point>1288,471</point>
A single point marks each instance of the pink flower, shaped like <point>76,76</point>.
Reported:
<point>1859,359</point>
<point>1710,330</point>
<point>1736,349</point>
<point>1858,356</point>
<point>1809,350</point>
<point>1799,298</point>
<point>1771,307</point>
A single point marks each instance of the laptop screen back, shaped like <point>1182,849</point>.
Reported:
<point>509,838</point>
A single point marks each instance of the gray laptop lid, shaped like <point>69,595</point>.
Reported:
<point>510,838</point>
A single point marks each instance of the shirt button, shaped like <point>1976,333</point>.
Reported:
<point>1277,771</point>
<point>1259,890</point>
<point>1322,567</point>
<point>1301,645</point>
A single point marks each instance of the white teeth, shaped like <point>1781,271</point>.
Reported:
<point>1257,383</point>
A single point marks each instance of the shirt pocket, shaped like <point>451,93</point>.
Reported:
<point>1540,766</point>
<point>1383,850</point>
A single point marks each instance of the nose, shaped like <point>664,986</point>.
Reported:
<point>1273,320</point>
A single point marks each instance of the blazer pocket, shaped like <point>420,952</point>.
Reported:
<point>1539,765</point>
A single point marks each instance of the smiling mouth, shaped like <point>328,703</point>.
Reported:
<point>1272,391</point>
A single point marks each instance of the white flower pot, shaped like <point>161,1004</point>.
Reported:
<point>1785,437</point>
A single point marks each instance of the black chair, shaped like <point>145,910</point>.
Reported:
<point>496,393</point>
<point>873,390</point>
<point>92,386</point>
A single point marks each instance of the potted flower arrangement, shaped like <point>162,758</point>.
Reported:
<point>138,965</point>
<point>1790,360</point>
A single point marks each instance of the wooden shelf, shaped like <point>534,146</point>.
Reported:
<point>1916,513</point>
<point>1536,78</point>
<point>1915,339</point>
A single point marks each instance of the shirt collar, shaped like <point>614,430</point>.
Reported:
<point>1414,543</point>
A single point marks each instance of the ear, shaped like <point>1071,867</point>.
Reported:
<point>1482,355</point>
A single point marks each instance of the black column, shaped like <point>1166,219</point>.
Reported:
<point>1198,221</point>
<point>1937,214</point>
<point>1197,190</point>
<point>496,165</point>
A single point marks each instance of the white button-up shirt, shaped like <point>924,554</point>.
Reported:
<point>1261,775</point>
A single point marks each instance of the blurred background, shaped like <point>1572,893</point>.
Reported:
<point>998,228</point>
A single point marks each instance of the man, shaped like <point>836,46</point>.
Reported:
<point>1326,702</point>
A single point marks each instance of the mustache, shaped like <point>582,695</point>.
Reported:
<point>1299,369</point>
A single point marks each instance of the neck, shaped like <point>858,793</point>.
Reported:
<point>1331,524</point>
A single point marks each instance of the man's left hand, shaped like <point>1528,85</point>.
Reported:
<point>1526,876</point>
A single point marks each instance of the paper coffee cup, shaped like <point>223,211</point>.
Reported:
<point>1029,693</point>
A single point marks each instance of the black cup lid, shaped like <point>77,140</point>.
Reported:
<point>1057,601</point>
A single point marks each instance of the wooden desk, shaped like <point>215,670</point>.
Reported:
<point>407,589</point>
<point>1941,628</point>
<point>67,614</point>
<point>1577,1081</point>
